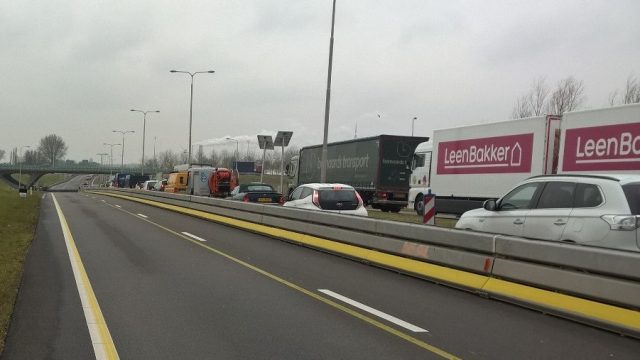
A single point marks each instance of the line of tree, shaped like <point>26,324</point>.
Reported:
<point>51,148</point>
<point>168,159</point>
<point>567,95</point>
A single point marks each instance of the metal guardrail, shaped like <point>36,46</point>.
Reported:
<point>568,280</point>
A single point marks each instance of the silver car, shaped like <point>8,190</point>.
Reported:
<point>593,210</point>
<point>337,198</point>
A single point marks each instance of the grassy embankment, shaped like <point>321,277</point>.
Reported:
<point>18,218</point>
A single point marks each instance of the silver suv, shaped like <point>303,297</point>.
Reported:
<point>593,210</point>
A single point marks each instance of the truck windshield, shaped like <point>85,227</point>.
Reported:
<point>632,192</point>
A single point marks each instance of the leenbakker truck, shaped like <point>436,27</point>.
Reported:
<point>377,167</point>
<point>466,165</point>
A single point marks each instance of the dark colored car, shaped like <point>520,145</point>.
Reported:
<point>256,192</point>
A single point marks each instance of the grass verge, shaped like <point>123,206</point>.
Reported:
<point>18,219</point>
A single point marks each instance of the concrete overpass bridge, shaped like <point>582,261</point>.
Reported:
<point>37,171</point>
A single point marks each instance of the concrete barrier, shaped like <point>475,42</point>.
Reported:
<point>589,284</point>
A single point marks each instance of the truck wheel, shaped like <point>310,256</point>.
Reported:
<point>396,209</point>
<point>419,205</point>
<point>384,209</point>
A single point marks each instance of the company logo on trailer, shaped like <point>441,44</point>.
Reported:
<point>610,147</point>
<point>498,154</point>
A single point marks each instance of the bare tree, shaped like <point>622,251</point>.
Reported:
<point>200,157</point>
<point>53,148</point>
<point>521,109</point>
<point>2,152</point>
<point>568,96</point>
<point>538,96</point>
<point>632,90</point>
<point>534,102</point>
<point>31,157</point>
<point>167,159</point>
<point>613,98</point>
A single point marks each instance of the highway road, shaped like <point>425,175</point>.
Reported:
<point>170,286</point>
<point>72,184</point>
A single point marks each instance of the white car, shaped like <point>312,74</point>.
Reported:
<point>338,198</point>
<point>149,185</point>
<point>599,210</point>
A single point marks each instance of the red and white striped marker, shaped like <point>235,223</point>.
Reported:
<point>429,201</point>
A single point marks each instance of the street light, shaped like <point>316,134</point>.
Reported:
<point>20,167</point>
<point>123,132</point>
<point>101,165</point>
<point>191,104</point>
<point>111,161</point>
<point>327,105</point>
<point>413,122</point>
<point>237,153</point>
<point>144,131</point>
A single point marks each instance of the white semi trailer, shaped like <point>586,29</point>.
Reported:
<point>466,165</point>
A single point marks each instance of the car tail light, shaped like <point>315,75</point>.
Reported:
<point>360,202</point>
<point>382,195</point>
<point>316,198</point>
<point>281,200</point>
<point>622,222</point>
<point>246,198</point>
<point>337,187</point>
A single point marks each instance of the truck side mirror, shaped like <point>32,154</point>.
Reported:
<point>490,205</point>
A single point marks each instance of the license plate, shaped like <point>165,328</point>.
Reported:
<point>264,199</point>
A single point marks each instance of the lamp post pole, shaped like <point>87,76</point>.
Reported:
<point>111,159</point>
<point>412,123</point>
<point>123,132</point>
<point>327,106</point>
<point>191,104</point>
<point>144,131</point>
<point>237,152</point>
<point>20,167</point>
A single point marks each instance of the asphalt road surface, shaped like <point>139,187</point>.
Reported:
<point>222,293</point>
<point>72,184</point>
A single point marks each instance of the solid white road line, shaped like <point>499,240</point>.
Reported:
<point>43,196</point>
<point>193,236</point>
<point>118,206</point>
<point>373,311</point>
<point>143,216</point>
<point>103,346</point>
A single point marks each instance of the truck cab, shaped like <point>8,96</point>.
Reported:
<point>291,170</point>
<point>419,183</point>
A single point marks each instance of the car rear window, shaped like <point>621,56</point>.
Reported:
<point>259,188</point>
<point>632,192</point>
<point>343,199</point>
<point>587,195</point>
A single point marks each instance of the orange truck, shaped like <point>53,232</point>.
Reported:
<point>221,182</point>
<point>177,182</point>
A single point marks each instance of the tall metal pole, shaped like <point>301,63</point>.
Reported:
<point>323,162</point>
<point>111,159</point>
<point>191,105</point>
<point>144,131</point>
<point>20,167</point>
<point>264,154</point>
<point>123,132</point>
<point>413,121</point>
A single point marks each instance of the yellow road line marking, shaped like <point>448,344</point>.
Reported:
<point>309,293</point>
<point>569,304</point>
<point>101,340</point>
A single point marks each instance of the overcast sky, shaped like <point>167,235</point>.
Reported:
<point>76,67</point>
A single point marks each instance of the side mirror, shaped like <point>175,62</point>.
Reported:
<point>490,205</point>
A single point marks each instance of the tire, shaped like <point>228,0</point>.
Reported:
<point>396,209</point>
<point>384,209</point>
<point>418,205</point>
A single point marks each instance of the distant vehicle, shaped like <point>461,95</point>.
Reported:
<point>599,210</point>
<point>338,198</point>
<point>466,165</point>
<point>221,182</point>
<point>149,184</point>
<point>377,167</point>
<point>177,182</point>
<point>244,167</point>
<point>123,180</point>
<point>159,186</point>
<point>198,180</point>
<point>256,192</point>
